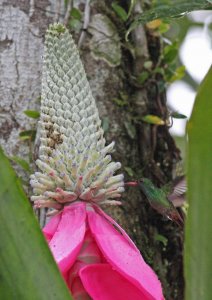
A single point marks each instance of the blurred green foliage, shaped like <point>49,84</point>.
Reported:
<point>166,10</point>
<point>198,238</point>
<point>28,270</point>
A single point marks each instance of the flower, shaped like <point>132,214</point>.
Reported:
<point>97,258</point>
<point>76,176</point>
<point>74,161</point>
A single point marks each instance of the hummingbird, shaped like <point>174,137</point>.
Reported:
<point>161,201</point>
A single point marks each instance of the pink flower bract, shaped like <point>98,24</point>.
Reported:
<point>97,258</point>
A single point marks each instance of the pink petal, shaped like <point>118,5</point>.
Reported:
<point>103,283</point>
<point>51,227</point>
<point>68,238</point>
<point>116,225</point>
<point>124,257</point>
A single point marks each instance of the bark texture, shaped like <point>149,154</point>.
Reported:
<point>148,150</point>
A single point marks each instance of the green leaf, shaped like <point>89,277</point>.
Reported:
<point>120,102</point>
<point>129,171</point>
<point>198,237</point>
<point>159,70</point>
<point>171,10</point>
<point>132,4</point>
<point>179,73</point>
<point>143,77</point>
<point>21,162</point>
<point>121,13</point>
<point>27,135</point>
<point>164,27</point>
<point>75,24</point>
<point>178,115</point>
<point>32,114</point>
<point>28,270</point>
<point>152,119</point>
<point>171,52</point>
<point>161,238</point>
<point>76,14</point>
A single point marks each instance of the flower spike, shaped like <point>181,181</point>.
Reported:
<point>73,156</point>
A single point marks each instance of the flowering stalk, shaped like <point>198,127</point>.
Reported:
<point>96,257</point>
<point>73,159</point>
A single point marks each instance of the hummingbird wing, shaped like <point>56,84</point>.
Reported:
<point>177,198</point>
<point>177,195</point>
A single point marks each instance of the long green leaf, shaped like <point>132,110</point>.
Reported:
<point>27,268</point>
<point>34,114</point>
<point>174,9</point>
<point>119,11</point>
<point>198,242</point>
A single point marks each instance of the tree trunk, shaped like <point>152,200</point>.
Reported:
<point>143,149</point>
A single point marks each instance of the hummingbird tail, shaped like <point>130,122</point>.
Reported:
<point>179,220</point>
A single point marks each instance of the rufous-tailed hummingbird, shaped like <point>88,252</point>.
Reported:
<point>161,201</point>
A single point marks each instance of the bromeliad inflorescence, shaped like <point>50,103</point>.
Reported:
<point>75,164</point>
<point>96,257</point>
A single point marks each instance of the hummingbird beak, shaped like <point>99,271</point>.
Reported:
<point>131,183</point>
